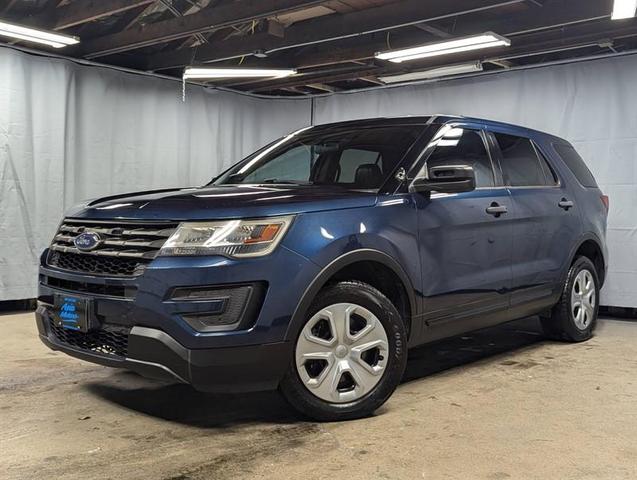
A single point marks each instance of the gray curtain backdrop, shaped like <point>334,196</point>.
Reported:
<point>592,104</point>
<point>71,132</point>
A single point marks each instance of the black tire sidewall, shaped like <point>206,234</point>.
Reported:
<point>368,297</point>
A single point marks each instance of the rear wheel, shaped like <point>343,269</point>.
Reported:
<point>574,317</point>
<point>349,356</point>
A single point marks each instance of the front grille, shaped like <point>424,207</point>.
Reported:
<point>109,340</point>
<point>82,262</point>
<point>124,249</point>
<point>123,291</point>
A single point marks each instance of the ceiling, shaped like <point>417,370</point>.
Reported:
<point>331,43</point>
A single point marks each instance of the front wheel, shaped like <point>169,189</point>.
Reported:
<point>350,355</point>
<point>574,317</point>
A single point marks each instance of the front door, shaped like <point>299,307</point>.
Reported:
<point>465,240</point>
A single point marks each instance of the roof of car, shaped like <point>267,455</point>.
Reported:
<point>441,119</point>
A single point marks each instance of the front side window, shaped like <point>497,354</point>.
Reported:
<point>352,158</point>
<point>458,146</point>
<point>521,165</point>
<point>294,164</point>
<point>340,155</point>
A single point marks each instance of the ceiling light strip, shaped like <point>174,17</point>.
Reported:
<point>623,9</point>
<point>473,42</point>
<point>433,73</point>
<point>213,73</point>
<point>35,35</point>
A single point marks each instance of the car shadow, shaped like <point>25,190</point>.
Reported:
<point>472,347</point>
<point>184,405</point>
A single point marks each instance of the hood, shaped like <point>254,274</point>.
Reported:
<point>223,201</point>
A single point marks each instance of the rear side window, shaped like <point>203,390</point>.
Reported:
<point>575,163</point>
<point>521,164</point>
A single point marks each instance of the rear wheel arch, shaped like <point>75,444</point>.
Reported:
<point>590,248</point>
<point>373,267</point>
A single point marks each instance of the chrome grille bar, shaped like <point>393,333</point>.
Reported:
<point>138,241</point>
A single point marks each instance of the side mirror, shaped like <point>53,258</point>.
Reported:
<point>446,179</point>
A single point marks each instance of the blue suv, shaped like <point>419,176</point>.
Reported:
<point>314,264</point>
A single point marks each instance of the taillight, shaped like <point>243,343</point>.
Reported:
<point>604,199</point>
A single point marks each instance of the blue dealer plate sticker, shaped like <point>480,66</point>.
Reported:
<point>71,313</point>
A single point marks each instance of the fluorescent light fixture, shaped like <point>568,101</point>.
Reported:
<point>35,35</point>
<point>623,9</point>
<point>200,72</point>
<point>464,44</point>
<point>433,73</point>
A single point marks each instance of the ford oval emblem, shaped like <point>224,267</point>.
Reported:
<point>87,241</point>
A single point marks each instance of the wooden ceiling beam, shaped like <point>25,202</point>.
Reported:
<point>324,88</point>
<point>435,31</point>
<point>311,79</point>
<point>526,45</point>
<point>82,11</point>
<point>205,20</point>
<point>8,6</point>
<point>555,14</point>
<point>327,28</point>
<point>513,25</point>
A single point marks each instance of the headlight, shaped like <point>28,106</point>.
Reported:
<point>233,238</point>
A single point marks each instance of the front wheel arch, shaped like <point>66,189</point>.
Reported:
<point>330,272</point>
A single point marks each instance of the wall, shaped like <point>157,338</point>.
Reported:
<point>592,104</point>
<point>71,132</point>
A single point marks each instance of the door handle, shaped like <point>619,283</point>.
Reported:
<point>496,209</point>
<point>565,204</point>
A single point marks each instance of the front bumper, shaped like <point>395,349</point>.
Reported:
<point>161,344</point>
<point>155,354</point>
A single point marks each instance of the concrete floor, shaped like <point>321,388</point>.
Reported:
<point>499,404</point>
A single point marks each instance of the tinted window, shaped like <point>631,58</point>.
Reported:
<point>464,147</point>
<point>520,164</point>
<point>353,158</point>
<point>293,164</point>
<point>357,157</point>
<point>549,173</point>
<point>576,164</point>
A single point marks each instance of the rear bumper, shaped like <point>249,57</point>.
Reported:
<point>155,354</point>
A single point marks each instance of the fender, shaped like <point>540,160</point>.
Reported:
<point>585,237</point>
<point>337,264</point>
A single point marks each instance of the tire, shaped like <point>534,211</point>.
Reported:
<point>567,322</point>
<point>354,370</point>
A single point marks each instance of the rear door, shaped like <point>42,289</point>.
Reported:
<point>465,239</point>
<point>545,220</point>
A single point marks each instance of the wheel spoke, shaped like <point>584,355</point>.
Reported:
<point>326,388</point>
<point>340,316</point>
<point>363,377</point>
<point>591,298</point>
<point>368,334</point>
<point>314,351</point>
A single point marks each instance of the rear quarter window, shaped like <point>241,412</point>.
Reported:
<point>575,163</point>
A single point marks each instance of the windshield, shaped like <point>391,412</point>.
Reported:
<point>354,157</point>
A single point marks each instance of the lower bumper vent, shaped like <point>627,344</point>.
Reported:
<point>110,340</point>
